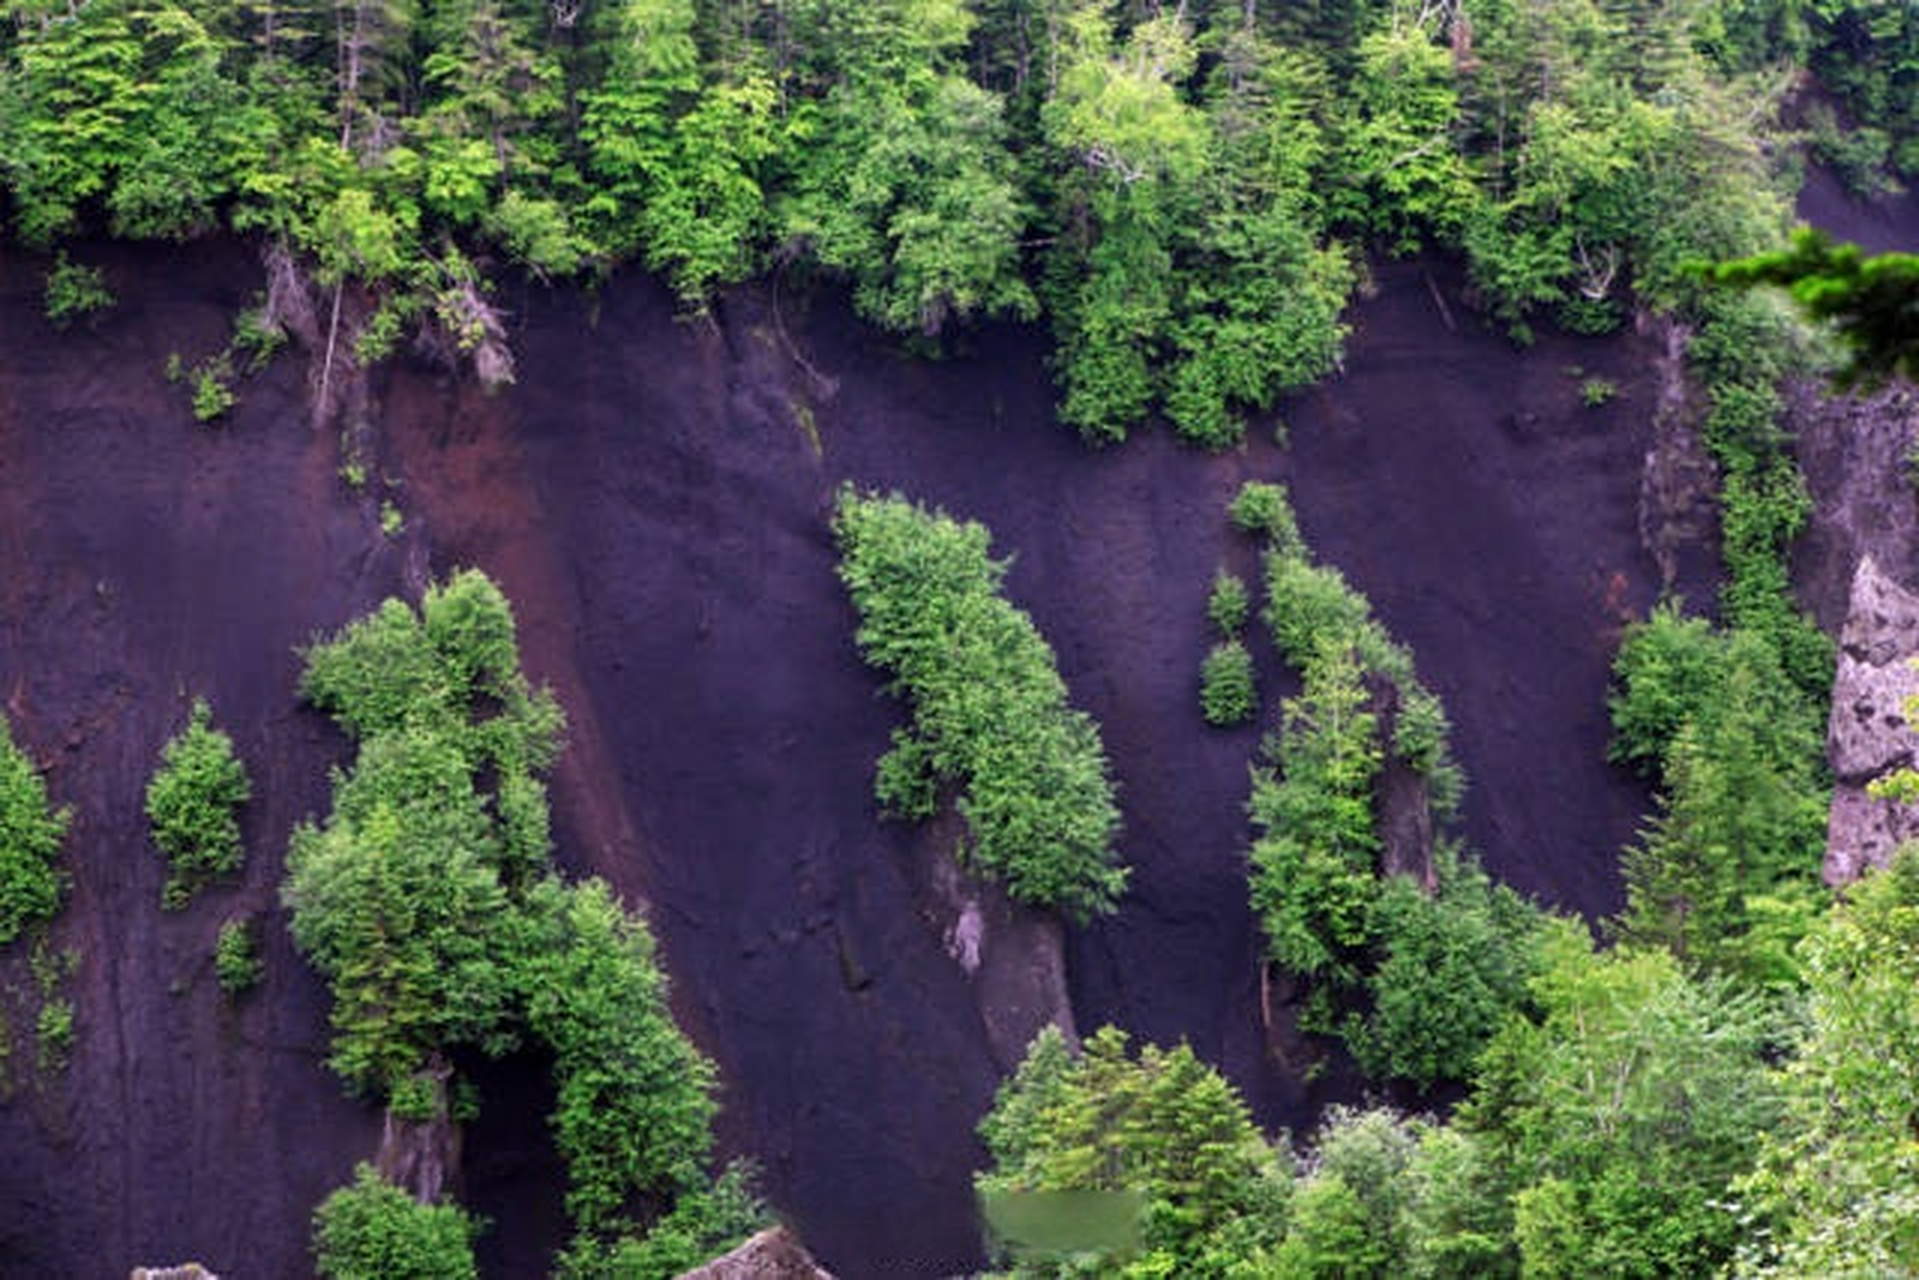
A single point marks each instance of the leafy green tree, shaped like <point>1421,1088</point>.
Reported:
<point>31,830</point>
<point>1454,964</point>
<point>1260,313</point>
<point>372,1230</point>
<point>909,190</point>
<point>1668,669</point>
<point>635,1110</point>
<point>1402,179</point>
<point>1161,1123</point>
<point>1314,878</point>
<point>235,962</point>
<point>990,715</point>
<point>1618,1121</point>
<point>1228,690</point>
<point>1130,152</point>
<point>404,897</point>
<point>193,803</point>
<point>1743,822</point>
<point>1834,1192</point>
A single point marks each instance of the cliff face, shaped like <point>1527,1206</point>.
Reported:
<point>653,497</point>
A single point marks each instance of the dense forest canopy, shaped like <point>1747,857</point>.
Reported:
<point>1184,193</point>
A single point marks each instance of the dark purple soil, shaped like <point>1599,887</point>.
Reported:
<point>1885,225</point>
<point>654,496</point>
<point>143,561</point>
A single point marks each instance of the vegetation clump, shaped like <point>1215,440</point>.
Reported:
<point>1228,689</point>
<point>1413,975</point>
<point>193,803</point>
<point>31,830</point>
<point>1228,605</point>
<point>75,291</point>
<point>427,900</point>
<point>236,961</point>
<point>990,716</point>
<point>1157,1123</point>
<point>372,1230</point>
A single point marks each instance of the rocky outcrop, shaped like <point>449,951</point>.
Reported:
<point>1014,956</point>
<point>1868,735</point>
<point>770,1255</point>
<point>1856,453</point>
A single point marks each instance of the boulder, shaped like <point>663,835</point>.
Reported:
<point>1868,735</point>
<point>771,1255</point>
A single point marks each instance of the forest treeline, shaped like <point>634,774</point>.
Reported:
<point>1185,193</point>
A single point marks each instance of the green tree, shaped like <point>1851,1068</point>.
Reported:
<point>1314,877</point>
<point>1618,1120</point>
<point>635,1109</point>
<point>1834,1192</point>
<point>372,1230</point>
<point>990,715</point>
<point>1161,1123</point>
<point>193,804</point>
<point>908,189</point>
<point>1742,825</point>
<point>31,830</point>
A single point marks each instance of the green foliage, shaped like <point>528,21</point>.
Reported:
<point>372,1230</point>
<point>990,715</point>
<point>1867,299</point>
<point>1595,392</point>
<point>1833,1193</point>
<point>1666,671</point>
<point>1743,819</point>
<point>1161,1123</point>
<point>635,1107</point>
<point>75,291</point>
<point>1313,875</point>
<point>1868,54</point>
<point>399,901</point>
<point>1229,604</point>
<point>193,804</point>
<point>427,902</point>
<point>1228,690</point>
<point>235,961</point>
<point>31,830</point>
<point>213,388</point>
<point>53,1035</point>
<point>703,1224</point>
<point>1619,1120</point>
<point>1265,510</point>
<point>909,189</point>
<point>1455,963</point>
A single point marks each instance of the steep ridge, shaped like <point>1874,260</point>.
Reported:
<point>653,497</point>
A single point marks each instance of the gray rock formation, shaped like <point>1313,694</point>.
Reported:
<point>1868,735</point>
<point>1014,956</point>
<point>770,1255</point>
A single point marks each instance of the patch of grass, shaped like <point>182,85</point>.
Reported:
<point>1594,392</point>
